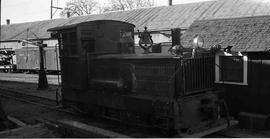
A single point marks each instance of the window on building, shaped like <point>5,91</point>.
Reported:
<point>231,69</point>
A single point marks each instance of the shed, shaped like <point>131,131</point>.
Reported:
<point>92,37</point>
<point>244,69</point>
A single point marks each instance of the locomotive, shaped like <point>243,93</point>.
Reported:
<point>102,75</point>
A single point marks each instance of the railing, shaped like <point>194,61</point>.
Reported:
<point>198,74</point>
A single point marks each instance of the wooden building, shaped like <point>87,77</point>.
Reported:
<point>159,20</point>
<point>243,70</point>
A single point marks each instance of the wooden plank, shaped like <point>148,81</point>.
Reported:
<point>36,131</point>
<point>210,130</point>
<point>16,121</point>
<point>90,130</point>
<point>243,134</point>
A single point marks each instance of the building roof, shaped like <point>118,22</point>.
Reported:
<point>36,30</point>
<point>156,18</point>
<point>244,34</point>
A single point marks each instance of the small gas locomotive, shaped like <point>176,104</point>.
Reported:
<point>102,75</point>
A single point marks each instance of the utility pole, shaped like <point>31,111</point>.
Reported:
<point>0,21</point>
<point>170,2</point>
<point>42,78</point>
<point>3,116</point>
<point>52,7</point>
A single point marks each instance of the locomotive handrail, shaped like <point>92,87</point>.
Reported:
<point>73,56</point>
<point>101,53</point>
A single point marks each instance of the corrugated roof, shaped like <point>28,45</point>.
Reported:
<point>36,29</point>
<point>156,18</point>
<point>244,34</point>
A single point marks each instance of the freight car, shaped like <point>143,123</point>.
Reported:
<point>101,74</point>
<point>7,60</point>
<point>28,59</point>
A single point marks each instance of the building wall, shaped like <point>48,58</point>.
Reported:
<point>164,37</point>
<point>15,45</point>
<point>157,37</point>
<point>253,97</point>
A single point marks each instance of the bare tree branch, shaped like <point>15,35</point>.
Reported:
<point>83,7</point>
<point>79,7</point>
<point>122,5</point>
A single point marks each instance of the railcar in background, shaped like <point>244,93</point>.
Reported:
<point>28,59</point>
<point>102,75</point>
<point>7,60</point>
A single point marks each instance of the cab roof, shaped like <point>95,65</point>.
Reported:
<point>75,25</point>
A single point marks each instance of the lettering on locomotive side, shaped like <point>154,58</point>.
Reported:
<point>87,35</point>
<point>126,36</point>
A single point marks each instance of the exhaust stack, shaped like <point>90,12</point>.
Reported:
<point>8,21</point>
<point>169,2</point>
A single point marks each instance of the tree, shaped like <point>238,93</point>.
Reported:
<point>79,7</point>
<point>84,7</point>
<point>122,5</point>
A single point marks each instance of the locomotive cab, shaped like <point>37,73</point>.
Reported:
<point>102,74</point>
<point>94,38</point>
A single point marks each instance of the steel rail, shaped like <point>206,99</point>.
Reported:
<point>57,108</point>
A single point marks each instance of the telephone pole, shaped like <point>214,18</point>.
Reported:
<point>53,7</point>
<point>42,78</point>
<point>0,20</point>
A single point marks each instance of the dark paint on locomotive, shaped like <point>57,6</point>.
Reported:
<point>101,73</point>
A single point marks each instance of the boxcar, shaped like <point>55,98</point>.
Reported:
<point>28,59</point>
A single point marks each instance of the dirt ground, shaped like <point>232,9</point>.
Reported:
<point>27,83</point>
<point>31,114</point>
<point>30,89</point>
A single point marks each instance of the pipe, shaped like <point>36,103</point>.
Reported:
<point>8,21</point>
<point>169,2</point>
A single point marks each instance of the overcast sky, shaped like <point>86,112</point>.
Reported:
<point>32,10</point>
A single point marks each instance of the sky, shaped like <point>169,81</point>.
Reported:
<point>19,11</point>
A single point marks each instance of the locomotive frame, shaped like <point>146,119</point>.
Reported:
<point>101,74</point>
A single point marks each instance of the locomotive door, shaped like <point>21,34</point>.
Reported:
<point>87,41</point>
<point>71,60</point>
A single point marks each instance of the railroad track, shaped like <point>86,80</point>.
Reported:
<point>49,104</point>
<point>36,100</point>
